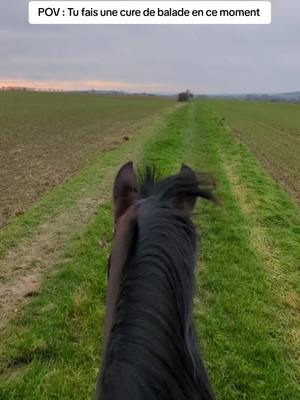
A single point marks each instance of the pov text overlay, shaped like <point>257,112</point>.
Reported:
<point>150,12</point>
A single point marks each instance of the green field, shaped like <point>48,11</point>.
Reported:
<point>247,303</point>
<point>272,131</point>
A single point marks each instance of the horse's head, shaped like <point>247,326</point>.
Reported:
<point>150,286</point>
<point>127,192</point>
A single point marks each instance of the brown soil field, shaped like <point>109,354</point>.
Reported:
<point>47,137</point>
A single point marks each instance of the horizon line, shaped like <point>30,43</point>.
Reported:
<point>141,91</point>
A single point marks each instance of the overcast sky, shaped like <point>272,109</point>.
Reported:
<point>206,59</point>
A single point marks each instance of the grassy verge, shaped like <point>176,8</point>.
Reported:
<point>245,321</point>
<point>52,349</point>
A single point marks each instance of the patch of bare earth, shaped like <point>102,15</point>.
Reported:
<point>24,267</point>
<point>261,242</point>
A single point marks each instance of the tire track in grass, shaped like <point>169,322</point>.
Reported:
<point>241,317</point>
<point>166,151</point>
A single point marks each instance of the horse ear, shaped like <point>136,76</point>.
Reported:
<point>125,190</point>
<point>184,201</point>
<point>188,171</point>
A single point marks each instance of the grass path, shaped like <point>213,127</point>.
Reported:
<point>247,302</point>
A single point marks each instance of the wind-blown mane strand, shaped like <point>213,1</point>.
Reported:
<point>200,185</point>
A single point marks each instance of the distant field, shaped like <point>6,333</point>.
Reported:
<point>47,137</point>
<point>272,131</point>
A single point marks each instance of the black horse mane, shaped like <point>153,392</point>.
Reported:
<point>200,185</point>
<point>152,352</point>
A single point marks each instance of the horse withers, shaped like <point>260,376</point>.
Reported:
<point>150,346</point>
